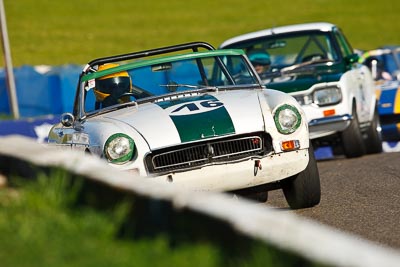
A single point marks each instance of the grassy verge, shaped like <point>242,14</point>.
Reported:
<point>75,32</point>
<point>42,225</point>
<point>39,228</point>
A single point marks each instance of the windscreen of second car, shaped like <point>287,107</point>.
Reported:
<point>160,79</point>
<point>295,48</point>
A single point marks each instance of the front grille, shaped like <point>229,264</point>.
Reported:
<point>208,152</point>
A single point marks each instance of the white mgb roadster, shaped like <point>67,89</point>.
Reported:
<point>196,117</point>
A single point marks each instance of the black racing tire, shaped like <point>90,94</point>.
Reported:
<point>373,142</point>
<point>303,190</point>
<point>352,139</point>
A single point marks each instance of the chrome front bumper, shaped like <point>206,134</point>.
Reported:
<point>329,125</point>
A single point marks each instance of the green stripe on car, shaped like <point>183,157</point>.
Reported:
<point>199,117</point>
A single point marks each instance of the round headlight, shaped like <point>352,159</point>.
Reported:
<point>119,148</point>
<point>287,119</point>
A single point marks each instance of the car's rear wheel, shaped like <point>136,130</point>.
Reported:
<point>352,140</point>
<point>373,142</point>
<point>303,190</point>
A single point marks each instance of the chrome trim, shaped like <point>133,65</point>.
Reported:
<point>331,119</point>
<point>329,125</point>
<point>211,152</point>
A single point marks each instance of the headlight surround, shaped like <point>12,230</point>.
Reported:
<point>287,119</point>
<point>119,148</point>
<point>327,96</point>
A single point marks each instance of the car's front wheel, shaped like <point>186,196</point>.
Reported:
<point>303,190</point>
<point>373,142</point>
<point>352,140</point>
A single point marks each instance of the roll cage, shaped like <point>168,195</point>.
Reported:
<point>194,46</point>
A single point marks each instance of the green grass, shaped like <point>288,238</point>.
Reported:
<point>46,222</point>
<point>38,228</point>
<point>75,32</point>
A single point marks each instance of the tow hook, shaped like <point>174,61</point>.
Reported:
<point>257,166</point>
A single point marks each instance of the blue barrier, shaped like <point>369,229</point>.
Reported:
<point>37,128</point>
<point>41,92</point>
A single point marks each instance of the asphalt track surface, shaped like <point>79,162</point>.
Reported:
<point>360,196</point>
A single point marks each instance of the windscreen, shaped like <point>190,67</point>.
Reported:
<point>286,50</point>
<point>165,77</point>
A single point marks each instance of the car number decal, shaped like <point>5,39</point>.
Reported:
<point>194,107</point>
<point>198,117</point>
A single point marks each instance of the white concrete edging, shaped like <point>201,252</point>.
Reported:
<point>288,231</point>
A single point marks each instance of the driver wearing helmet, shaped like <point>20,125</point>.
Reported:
<point>111,89</point>
<point>260,59</point>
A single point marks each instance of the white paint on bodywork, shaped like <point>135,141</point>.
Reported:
<point>238,175</point>
<point>152,122</point>
<point>244,108</point>
<point>322,26</point>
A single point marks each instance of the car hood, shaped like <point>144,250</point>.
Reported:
<point>304,78</point>
<point>194,118</point>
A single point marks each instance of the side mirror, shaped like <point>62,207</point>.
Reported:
<point>67,119</point>
<point>350,59</point>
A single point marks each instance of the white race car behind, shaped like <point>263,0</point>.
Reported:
<point>315,63</point>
